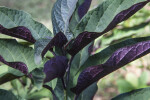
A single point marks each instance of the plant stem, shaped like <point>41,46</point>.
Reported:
<point>68,70</point>
<point>49,88</point>
<point>64,85</point>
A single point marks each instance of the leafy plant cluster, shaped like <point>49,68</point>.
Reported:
<point>62,61</point>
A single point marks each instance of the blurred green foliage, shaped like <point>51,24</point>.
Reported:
<point>39,9</point>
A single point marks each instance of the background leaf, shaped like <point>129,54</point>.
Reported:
<point>140,94</point>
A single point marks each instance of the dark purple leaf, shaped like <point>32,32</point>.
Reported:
<point>55,68</point>
<point>90,49</point>
<point>59,40</point>
<point>118,59</point>
<point>20,32</point>
<point>83,8</point>
<point>81,41</point>
<point>16,65</point>
<point>86,78</point>
<point>86,37</point>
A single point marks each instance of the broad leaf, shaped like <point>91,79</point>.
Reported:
<point>127,32</point>
<point>61,14</point>
<point>118,59</point>
<point>12,53</point>
<point>140,94</point>
<point>7,95</point>
<point>18,32</point>
<point>102,19</point>
<point>55,68</point>
<point>10,18</point>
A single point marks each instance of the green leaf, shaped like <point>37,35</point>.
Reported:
<point>21,91</point>
<point>140,94</point>
<point>7,95</point>
<point>10,18</point>
<point>59,90</point>
<point>38,77</point>
<point>78,60</point>
<point>61,14</point>
<point>38,95</point>
<point>39,47</point>
<point>11,51</point>
<point>52,83</point>
<point>99,18</point>
<point>89,93</point>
